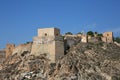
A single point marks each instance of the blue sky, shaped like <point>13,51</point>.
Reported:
<point>20,19</point>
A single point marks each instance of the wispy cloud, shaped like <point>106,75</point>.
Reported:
<point>90,26</point>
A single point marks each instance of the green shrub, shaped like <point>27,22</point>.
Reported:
<point>117,39</point>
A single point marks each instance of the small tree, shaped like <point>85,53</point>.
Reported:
<point>100,35</point>
<point>68,33</point>
<point>79,33</point>
<point>90,33</point>
<point>96,32</point>
<point>117,39</point>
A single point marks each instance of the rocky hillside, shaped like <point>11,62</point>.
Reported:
<point>83,61</point>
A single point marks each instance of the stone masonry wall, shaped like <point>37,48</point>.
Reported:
<point>9,49</point>
<point>50,42</point>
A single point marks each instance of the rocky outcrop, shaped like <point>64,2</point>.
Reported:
<point>89,62</point>
<point>118,44</point>
<point>84,61</point>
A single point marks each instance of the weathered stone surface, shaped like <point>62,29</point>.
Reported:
<point>2,55</point>
<point>107,37</point>
<point>9,49</point>
<point>49,42</point>
<point>84,61</point>
<point>22,49</point>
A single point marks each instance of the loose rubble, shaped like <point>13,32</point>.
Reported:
<point>83,61</point>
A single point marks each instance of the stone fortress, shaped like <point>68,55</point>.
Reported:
<point>50,42</point>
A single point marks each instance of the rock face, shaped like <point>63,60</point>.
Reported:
<point>84,61</point>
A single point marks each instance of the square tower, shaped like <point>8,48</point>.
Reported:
<point>50,42</point>
<point>108,37</point>
<point>48,32</point>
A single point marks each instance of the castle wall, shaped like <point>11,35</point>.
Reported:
<point>2,55</point>
<point>42,45</point>
<point>49,31</point>
<point>20,49</point>
<point>107,37</point>
<point>84,38</point>
<point>48,42</point>
<point>59,49</point>
<point>9,49</point>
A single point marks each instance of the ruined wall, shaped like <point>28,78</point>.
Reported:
<point>84,38</point>
<point>9,49</point>
<point>2,55</point>
<point>107,37</point>
<point>22,49</point>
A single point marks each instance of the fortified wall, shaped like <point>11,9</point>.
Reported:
<point>107,37</point>
<point>9,49</point>
<point>50,42</point>
<point>2,55</point>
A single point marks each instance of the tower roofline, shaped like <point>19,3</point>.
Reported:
<point>50,28</point>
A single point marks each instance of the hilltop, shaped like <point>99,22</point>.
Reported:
<point>83,61</point>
